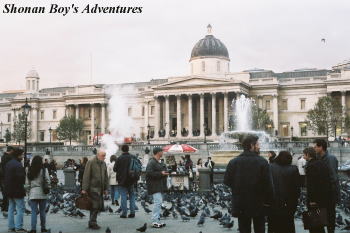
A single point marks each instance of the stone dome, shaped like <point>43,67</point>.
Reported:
<point>32,74</point>
<point>209,46</point>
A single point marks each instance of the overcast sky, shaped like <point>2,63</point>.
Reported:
<point>270,34</point>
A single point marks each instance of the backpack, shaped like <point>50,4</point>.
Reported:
<point>135,169</point>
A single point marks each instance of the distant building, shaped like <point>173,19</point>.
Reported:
<point>180,108</point>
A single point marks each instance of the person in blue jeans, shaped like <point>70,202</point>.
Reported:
<point>113,184</point>
<point>156,180</point>
<point>125,187</point>
<point>14,188</point>
<point>36,177</point>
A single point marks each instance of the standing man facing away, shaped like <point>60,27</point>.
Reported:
<point>6,157</point>
<point>95,184</point>
<point>156,180</point>
<point>249,178</point>
<point>126,186</point>
<point>332,163</point>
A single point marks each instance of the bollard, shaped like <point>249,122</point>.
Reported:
<point>69,179</point>
<point>204,179</point>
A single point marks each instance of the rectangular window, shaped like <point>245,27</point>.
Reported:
<point>302,104</point>
<point>42,115</point>
<point>8,117</point>
<point>284,105</point>
<point>42,135</point>
<point>285,130</point>
<point>54,114</point>
<point>129,111</point>
<point>143,111</point>
<point>152,110</point>
<point>303,128</point>
<point>267,106</point>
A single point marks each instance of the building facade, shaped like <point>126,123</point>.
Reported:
<point>186,108</point>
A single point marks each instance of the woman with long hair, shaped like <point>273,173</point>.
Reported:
<point>36,177</point>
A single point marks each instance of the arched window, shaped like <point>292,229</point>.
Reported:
<point>203,66</point>
<point>218,66</point>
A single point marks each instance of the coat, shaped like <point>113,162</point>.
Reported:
<point>112,176</point>
<point>249,178</point>
<point>95,179</point>
<point>35,186</point>
<point>332,164</point>
<point>14,179</point>
<point>121,167</point>
<point>156,182</point>
<point>318,183</point>
<point>5,158</point>
<point>286,187</point>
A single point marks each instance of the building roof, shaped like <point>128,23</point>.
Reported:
<point>32,74</point>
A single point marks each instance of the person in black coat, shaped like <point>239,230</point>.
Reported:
<point>249,178</point>
<point>287,191</point>
<point>210,164</point>
<point>5,158</point>
<point>318,184</point>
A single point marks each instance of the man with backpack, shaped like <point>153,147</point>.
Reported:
<point>128,169</point>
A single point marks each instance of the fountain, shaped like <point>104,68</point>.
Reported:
<point>229,141</point>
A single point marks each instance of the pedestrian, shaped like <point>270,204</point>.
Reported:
<point>320,147</point>
<point>156,180</point>
<point>285,177</point>
<point>271,155</point>
<point>318,185</point>
<point>81,170</point>
<point>14,189</point>
<point>199,165</point>
<point>5,158</point>
<point>249,177</point>
<point>126,187</point>
<point>301,169</point>
<point>95,184</point>
<point>47,166</point>
<point>37,176</point>
<point>113,184</point>
<point>210,164</point>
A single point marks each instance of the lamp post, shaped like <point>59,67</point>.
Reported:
<point>50,131</point>
<point>97,129</point>
<point>291,129</point>
<point>148,136</point>
<point>26,109</point>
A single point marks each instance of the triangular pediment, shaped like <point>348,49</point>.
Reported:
<point>194,81</point>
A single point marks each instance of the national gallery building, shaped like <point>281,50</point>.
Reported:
<point>186,108</point>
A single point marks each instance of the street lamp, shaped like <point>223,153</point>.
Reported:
<point>50,131</point>
<point>291,129</point>
<point>97,129</point>
<point>148,136</point>
<point>26,109</point>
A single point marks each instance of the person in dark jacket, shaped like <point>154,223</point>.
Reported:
<point>5,158</point>
<point>126,188</point>
<point>271,155</point>
<point>156,174</point>
<point>249,178</point>
<point>318,184</point>
<point>332,164</point>
<point>285,179</point>
<point>14,189</point>
<point>83,163</point>
<point>210,164</point>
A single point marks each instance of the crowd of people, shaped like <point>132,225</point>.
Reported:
<point>271,189</point>
<point>261,189</point>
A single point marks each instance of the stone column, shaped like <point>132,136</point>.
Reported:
<point>92,127</point>
<point>167,116</point>
<point>178,116</point>
<point>225,112</point>
<point>201,114</point>
<point>213,114</point>
<point>34,124</point>
<point>156,117</point>
<point>190,116</point>
<point>146,122</point>
<point>275,112</point>
<point>13,114</point>
<point>260,101</point>
<point>76,111</point>
<point>343,104</point>
<point>103,118</point>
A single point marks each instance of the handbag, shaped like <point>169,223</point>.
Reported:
<point>314,218</point>
<point>46,188</point>
<point>83,202</point>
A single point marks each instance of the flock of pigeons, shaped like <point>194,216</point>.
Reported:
<point>189,206</point>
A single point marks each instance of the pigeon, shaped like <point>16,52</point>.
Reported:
<point>147,210</point>
<point>185,218</point>
<point>201,220</point>
<point>108,230</point>
<point>228,225</point>
<point>110,210</point>
<point>143,228</point>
